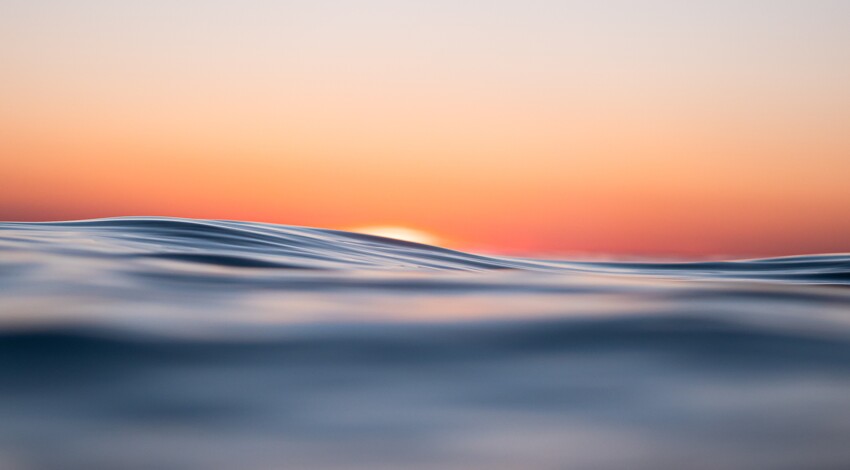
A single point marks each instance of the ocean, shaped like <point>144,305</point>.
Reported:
<point>165,343</point>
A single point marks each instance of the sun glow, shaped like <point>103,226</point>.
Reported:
<point>398,233</point>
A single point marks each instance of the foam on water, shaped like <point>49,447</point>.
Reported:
<point>175,343</point>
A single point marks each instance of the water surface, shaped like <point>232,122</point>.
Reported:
<point>160,343</point>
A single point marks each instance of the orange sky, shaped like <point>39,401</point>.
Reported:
<point>643,127</point>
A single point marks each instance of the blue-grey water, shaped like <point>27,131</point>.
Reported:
<point>158,343</point>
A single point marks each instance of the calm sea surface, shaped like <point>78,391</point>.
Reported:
<point>156,343</point>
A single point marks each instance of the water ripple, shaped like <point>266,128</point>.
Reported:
<point>149,342</point>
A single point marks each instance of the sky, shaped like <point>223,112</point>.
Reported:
<point>633,127</point>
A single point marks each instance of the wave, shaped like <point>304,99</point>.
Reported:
<point>240,244</point>
<point>260,245</point>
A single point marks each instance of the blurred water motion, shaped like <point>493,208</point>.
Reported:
<point>153,343</point>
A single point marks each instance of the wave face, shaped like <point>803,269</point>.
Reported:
<point>142,343</point>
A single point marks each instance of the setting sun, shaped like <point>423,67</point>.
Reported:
<point>399,233</point>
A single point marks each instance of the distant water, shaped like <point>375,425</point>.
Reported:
<point>155,343</point>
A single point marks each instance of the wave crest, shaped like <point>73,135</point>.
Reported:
<point>235,244</point>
